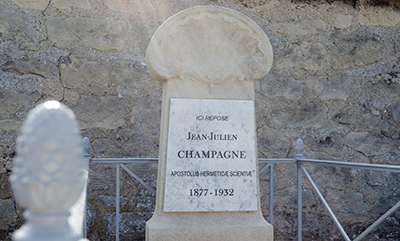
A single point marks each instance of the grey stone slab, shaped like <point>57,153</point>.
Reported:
<point>104,34</point>
<point>303,55</point>
<point>323,142</point>
<point>333,87</point>
<point>10,125</point>
<point>359,49</point>
<point>372,144</point>
<point>305,27</point>
<point>313,114</point>
<point>81,73</point>
<point>272,142</point>
<point>10,22</point>
<point>110,204</point>
<point>17,102</point>
<point>146,115</point>
<point>61,4</point>
<point>8,215</point>
<point>385,15</point>
<point>274,86</point>
<point>143,12</point>
<point>132,226</point>
<point>31,66</point>
<point>358,116</point>
<point>342,21</point>
<point>34,4</point>
<point>395,110</point>
<point>346,201</point>
<point>328,177</point>
<point>385,86</point>
<point>5,186</point>
<point>100,112</point>
<point>287,197</point>
<point>133,74</point>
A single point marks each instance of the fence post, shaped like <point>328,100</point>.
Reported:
<point>48,175</point>
<point>271,194</point>
<point>86,149</point>
<point>299,155</point>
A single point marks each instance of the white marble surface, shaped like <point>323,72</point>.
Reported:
<point>210,45</point>
<point>211,156</point>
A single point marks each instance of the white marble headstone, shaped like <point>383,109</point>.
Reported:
<point>211,163</point>
<point>208,58</point>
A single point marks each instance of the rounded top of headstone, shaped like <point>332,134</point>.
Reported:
<point>209,44</point>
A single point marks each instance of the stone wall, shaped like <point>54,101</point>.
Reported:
<point>335,83</point>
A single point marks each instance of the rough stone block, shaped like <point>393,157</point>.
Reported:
<point>359,49</point>
<point>31,66</point>
<point>358,115</point>
<point>5,186</point>
<point>379,16</point>
<point>303,55</point>
<point>104,34</point>
<point>333,87</point>
<point>11,103</point>
<point>328,177</point>
<point>384,86</point>
<point>303,28</point>
<point>371,144</point>
<point>275,85</point>
<point>395,110</point>
<point>146,116</point>
<point>100,112</point>
<point>82,73</point>
<point>313,114</point>
<point>35,4</point>
<point>145,12</point>
<point>287,197</point>
<point>133,74</point>
<point>342,21</point>
<point>10,125</point>
<point>67,4</point>
<point>346,201</point>
<point>132,225</point>
<point>325,141</point>
<point>272,142</point>
<point>10,22</point>
<point>261,7</point>
<point>8,215</point>
<point>316,226</point>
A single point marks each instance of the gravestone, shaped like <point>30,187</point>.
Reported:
<point>208,58</point>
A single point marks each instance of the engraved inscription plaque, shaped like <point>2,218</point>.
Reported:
<point>211,156</point>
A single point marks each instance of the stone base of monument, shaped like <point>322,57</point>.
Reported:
<point>207,226</point>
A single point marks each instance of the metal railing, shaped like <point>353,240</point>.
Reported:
<point>269,163</point>
<point>120,163</point>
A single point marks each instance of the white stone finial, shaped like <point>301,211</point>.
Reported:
<point>299,147</point>
<point>211,45</point>
<point>48,173</point>
<point>86,147</point>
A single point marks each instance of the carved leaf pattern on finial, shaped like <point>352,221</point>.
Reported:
<point>86,145</point>
<point>48,171</point>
